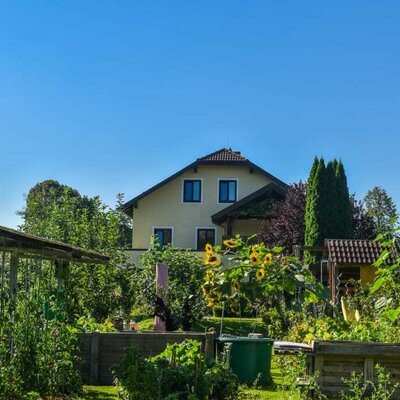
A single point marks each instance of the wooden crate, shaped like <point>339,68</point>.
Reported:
<point>335,360</point>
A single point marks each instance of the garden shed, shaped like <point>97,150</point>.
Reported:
<point>347,259</point>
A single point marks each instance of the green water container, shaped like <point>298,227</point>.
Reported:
<point>250,358</point>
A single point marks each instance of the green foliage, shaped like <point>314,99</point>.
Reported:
<point>293,368</point>
<point>42,358</point>
<point>256,273</point>
<point>329,211</point>
<point>182,303</point>
<point>58,212</point>
<point>344,214</point>
<point>382,389</point>
<point>181,372</point>
<point>380,207</point>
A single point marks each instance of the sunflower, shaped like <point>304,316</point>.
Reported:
<point>260,274</point>
<point>211,303</point>
<point>213,259</point>
<point>209,248</point>
<point>254,258</point>
<point>209,272</point>
<point>235,286</point>
<point>267,259</point>
<point>231,243</point>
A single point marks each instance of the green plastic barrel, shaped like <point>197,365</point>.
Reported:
<point>250,358</point>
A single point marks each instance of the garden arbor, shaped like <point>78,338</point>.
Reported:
<point>33,271</point>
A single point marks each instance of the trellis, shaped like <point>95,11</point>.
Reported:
<point>34,268</point>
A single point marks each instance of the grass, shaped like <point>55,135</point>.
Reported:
<point>110,393</point>
<point>267,393</point>
<point>99,393</point>
<point>232,326</point>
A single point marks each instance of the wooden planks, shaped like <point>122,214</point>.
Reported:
<point>334,362</point>
<point>100,351</point>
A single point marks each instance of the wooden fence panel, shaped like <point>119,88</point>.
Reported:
<point>100,351</point>
<point>335,360</point>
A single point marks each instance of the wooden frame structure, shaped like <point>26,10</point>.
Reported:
<point>29,264</point>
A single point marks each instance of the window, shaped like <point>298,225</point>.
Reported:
<point>204,236</point>
<point>192,191</point>
<point>227,191</point>
<point>163,235</point>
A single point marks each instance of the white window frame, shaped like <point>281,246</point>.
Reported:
<point>237,189</point>
<point>183,191</point>
<point>197,233</point>
<point>164,227</point>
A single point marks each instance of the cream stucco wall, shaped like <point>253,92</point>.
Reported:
<point>164,207</point>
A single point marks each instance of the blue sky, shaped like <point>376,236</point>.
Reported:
<point>113,96</point>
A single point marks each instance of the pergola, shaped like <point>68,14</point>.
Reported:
<point>32,265</point>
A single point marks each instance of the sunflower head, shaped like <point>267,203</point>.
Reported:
<point>235,286</point>
<point>267,259</point>
<point>231,243</point>
<point>260,274</point>
<point>213,260</point>
<point>205,291</point>
<point>254,258</point>
<point>208,248</point>
<point>210,302</point>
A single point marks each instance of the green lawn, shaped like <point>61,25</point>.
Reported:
<point>232,326</point>
<point>110,393</point>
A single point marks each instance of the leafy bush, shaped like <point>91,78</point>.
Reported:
<point>383,389</point>
<point>42,360</point>
<point>181,372</point>
<point>183,303</point>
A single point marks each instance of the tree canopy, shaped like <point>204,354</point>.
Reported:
<point>59,212</point>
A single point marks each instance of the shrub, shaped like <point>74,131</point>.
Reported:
<point>180,372</point>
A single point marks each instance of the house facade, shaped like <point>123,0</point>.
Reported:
<point>220,194</point>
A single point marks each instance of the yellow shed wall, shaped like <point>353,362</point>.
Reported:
<point>164,207</point>
<point>367,274</point>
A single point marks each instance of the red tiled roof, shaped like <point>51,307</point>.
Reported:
<point>225,155</point>
<point>346,251</point>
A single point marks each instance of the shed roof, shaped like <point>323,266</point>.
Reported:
<point>224,156</point>
<point>351,251</point>
<point>25,244</point>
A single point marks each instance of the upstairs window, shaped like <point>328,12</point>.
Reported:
<point>163,235</point>
<point>204,236</point>
<point>227,191</point>
<point>192,191</point>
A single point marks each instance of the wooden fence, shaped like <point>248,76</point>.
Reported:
<point>335,360</point>
<point>100,351</point>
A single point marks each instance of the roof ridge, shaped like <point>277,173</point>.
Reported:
<point>221,151</point>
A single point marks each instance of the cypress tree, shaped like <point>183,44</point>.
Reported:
<point>314,208</point>
<point>330,224</point>
<point>344,208</point>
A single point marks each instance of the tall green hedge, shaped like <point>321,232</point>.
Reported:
<point>328,213</point>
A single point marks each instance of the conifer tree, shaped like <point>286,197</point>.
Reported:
<point>330,224</point>
<point>314,207</point>
<point>344,206</point>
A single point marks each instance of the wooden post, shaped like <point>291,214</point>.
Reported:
<point>209,347</point>
<point>94,358</point>
<point>13,292</point>
<point>13,279</point>
<point>368,369</point>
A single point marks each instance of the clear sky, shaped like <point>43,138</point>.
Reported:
<point>113,96</point>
